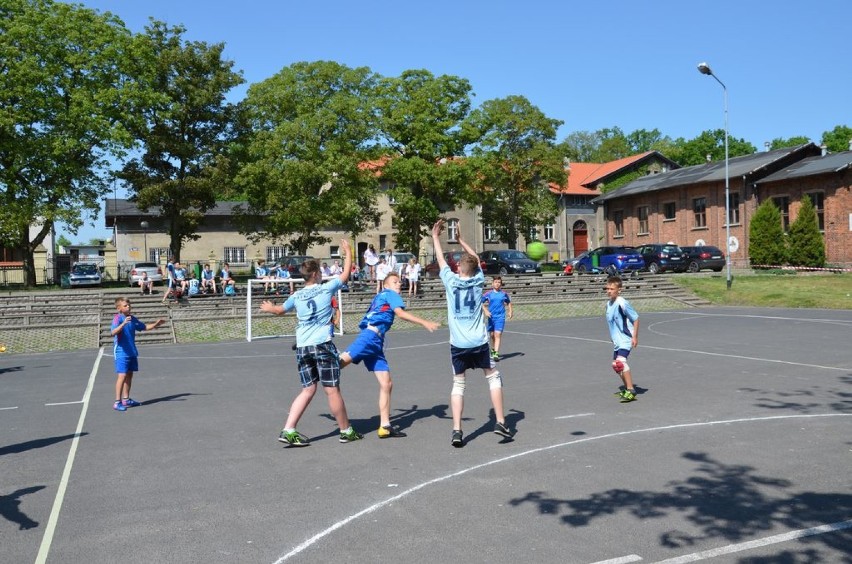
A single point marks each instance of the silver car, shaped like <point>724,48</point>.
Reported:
<point>155,273</point>
<point>85,274</point>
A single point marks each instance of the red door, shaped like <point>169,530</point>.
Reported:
<point>581,238</point>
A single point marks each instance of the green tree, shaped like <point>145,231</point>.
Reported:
<point>184,131</point>
<point>514,162</point>
<point>61,241</point>
<point>419,119</point>
<point>66,98</point>
<point>806,246</point>
<point>837,140</point>
<point>767,243</point>
<point>580,146</point>
<point>712,143</point>
<point>779,143</point>
<point>312,126</point>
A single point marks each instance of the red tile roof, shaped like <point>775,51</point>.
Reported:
<point>583,177</point>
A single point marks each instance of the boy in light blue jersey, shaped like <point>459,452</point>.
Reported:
<point>468,335</point>
<point>370,343</point>
<point>123,331</point>
<point>316,355</point>
<point>623,323</point>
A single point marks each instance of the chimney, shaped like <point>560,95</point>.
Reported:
<point>850,144</point>
<point>566,163</point>
<point>824,148</point>
<point>708,157</point>
<point>766,144</point>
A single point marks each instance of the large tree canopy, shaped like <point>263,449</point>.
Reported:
<point>66,99</point>
<point>184,131</point>
<point>311,127</point>
<point>513,163</point>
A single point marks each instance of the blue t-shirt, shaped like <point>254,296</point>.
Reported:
<point>180,273</point>
<point>381,312</point>
<point>314,312</point>
<point>281,272</point>
<point>497,300</point>
<point>124,342</point>
<point>207,274</point>
<point>464,309</point>
<point>193,286</point>
<point>620,316</point>
<point>260,272</point>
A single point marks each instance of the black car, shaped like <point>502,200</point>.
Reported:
<point>661,257</point>
<point>708,256</point>
<point>294,264</point>
<point>508,262</point>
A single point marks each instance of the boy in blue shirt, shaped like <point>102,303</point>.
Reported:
<point>316,355</point>
<point>497,304</point>
<point>123,331</point>
<point>623,323</point>
<point>468,335</point>
<point>370,343</point>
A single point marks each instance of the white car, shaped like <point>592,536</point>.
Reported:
<point>155,273</point>
<point>85,274</point>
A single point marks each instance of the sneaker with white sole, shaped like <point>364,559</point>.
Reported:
<point>502,430</point>
<point>293,438</point>
<point>350,435</point>
<point>457,440</point>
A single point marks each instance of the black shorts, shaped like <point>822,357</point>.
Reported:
<point>476,357</point>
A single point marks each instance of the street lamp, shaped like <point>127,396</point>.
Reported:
<point>144,225</point>
<point>704,68</point>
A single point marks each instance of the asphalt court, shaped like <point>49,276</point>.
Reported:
<point>738,450</point>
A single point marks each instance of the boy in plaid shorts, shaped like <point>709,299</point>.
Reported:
<point>316,354</point>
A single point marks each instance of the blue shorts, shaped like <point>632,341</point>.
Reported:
<point>496,323</point>
<point>476,357</point>
<point>125,364</point>
<point>319,363</point>
<point>620,353</point>
<point>369,347</point>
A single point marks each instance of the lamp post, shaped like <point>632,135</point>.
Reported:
<point>704,68</point>
<point>144,225</point>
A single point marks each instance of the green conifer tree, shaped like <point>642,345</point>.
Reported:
<point>806,245</point>
<point>767,242</point>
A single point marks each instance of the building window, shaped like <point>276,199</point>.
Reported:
<point>275,253</point>
<point>783,205</point>
<point>734,206</point>
<point>235,255</point>
<point>818,200</point>
<point>618,221</point>
<point>490,233</point>
<point>532,234</point>
<point>550,232</point>
<point>453,230</point>
<point>383,241</point>
<point>157,253</point>
<point>642,214</point>
<point>334,251</point>
<point>669,210</point>
<point>699,211</point>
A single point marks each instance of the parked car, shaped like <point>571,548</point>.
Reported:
<point>293,264</point>
<point>570,265</point>
<point>85,274</point>
<point>155,273</point>
<point>401,259</point>
<point>452,257</point>
<point>509,261</point>
<point>708,256</point>
<point>619,258</point>
<point>660,257</point>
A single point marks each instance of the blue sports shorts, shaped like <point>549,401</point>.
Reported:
<point>476,357</point>
<point>620,352</point>
<point>496,323</point>
<point>125,364</point>
<point>319,363</point>
<point>368,347</point>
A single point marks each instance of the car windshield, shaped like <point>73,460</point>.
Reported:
<point>513,255</point>
<point>85,269</point>
<point>671,249</point>
<point>146,265</point>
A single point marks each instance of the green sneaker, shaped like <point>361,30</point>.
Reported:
<point>293,438</point>
<point>620,392</point>
<point>495,355</point>
<point>627,396</point>
<point>350,435</point>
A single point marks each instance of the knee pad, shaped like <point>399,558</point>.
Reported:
<point>620,365</point>
<point>458,386</point>
<point>494,380</point>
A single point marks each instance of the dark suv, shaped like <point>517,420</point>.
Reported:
<point>660,257</point>
<point>707,256</point>
<point>606,259</point>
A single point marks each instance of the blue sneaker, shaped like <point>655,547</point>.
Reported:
<point>129,402</point>
<point>118,406</point>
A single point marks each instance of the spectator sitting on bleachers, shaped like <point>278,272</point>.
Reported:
<point>208,280</point>
<point>180,277</point>
<point>229,287</point>
<point>281,273</point>
<point>146,284</point>
<point>194,286</point>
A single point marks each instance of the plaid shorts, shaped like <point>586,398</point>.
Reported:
<point>319,363</point>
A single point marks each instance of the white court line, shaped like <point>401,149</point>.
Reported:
<point>621,559</point>
<point>5,408</point>
<point>376,506</point>
<point>47,539</point>
<point>577,415</point>
<point>706,353</point>
<point>63,403</point>
<point>775,539</point>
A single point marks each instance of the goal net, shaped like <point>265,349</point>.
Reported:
<point>262,325</point>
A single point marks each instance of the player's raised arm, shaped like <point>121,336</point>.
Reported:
<point>436,243</point>
<point>467,248</point>
<point>347,260</point>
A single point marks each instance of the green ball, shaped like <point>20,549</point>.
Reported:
<point>536,250</point>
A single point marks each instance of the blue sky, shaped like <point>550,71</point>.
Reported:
<point>592,64</point>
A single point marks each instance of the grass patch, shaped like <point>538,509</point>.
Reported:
<point>803,290</point>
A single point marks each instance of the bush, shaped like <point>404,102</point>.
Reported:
<point>805,243</point>
<point>766,236</point>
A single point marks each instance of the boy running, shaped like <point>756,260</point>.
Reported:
<point>468,337</point>
<point>316,354</point>
<point>497,304</point>
<point>623,323</point>
<point>370,343</point>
